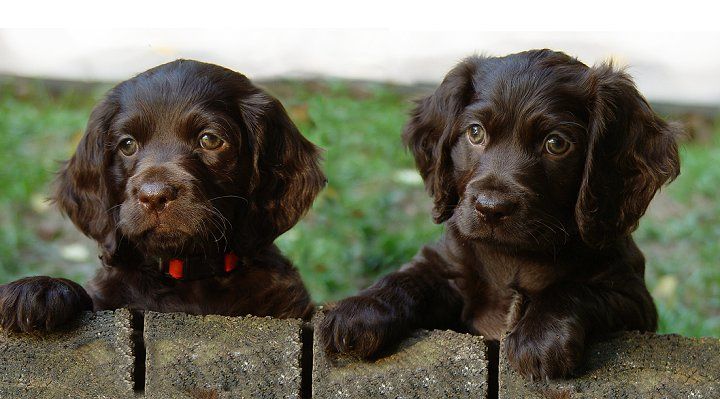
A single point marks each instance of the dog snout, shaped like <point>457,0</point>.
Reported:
<point>155,196</point>
<point>494,208</point>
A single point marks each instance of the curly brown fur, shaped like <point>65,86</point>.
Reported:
<point>537,241</point>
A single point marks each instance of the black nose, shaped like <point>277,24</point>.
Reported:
<point>493,209</point>
<point>155,196</point>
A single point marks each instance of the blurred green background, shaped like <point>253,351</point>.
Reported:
<point>374,213</point>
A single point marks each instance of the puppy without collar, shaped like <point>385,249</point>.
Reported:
<point>540,168</point>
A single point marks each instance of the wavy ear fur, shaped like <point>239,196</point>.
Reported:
<point>81,190</point>
<point>429,132</point>
<point>631,153</point>
<point>286,174</point>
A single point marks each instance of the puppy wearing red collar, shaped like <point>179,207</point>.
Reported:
<point>185,176</point>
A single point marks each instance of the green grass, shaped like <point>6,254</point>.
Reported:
<point>681,241</point>
<point>36,130</point>
<point>373,213</point>
<point>371,218</point>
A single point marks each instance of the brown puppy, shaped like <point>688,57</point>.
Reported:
<point>540,168</point>
<point>185,176</point>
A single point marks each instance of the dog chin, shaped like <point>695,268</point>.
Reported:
<point>499,236</point>
<point>496,236</point>
<point>162,243</point>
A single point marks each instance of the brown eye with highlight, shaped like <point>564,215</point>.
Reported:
<point>476,134</point>
<point>556,144</point>
<point>210,141</point>
<point>128,146</point>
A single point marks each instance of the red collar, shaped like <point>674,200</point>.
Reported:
<point>200,267</point>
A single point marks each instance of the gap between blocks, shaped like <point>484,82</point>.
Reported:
<point>492,350</point>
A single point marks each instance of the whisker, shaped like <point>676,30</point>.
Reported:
<point>113,207</point>
<point>229,196</point>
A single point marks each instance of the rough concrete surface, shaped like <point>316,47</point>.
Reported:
<point>221,357</point>
<point>90,359</point>
<point>633,365</point>
<point>430,364</point>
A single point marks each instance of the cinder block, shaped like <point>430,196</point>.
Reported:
<point>430,364</point>
<point>633,365</point>
<point>221,357</point>
<point>91,359</point>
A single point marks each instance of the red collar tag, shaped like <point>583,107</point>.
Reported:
<point>176,268</point>
<point>231,262</point>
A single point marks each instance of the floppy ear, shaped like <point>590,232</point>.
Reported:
<point>80,188</point>
<point>429,135</point>
<point>631,153</point>
<point>286,175</point>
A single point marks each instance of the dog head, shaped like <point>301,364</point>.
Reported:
<point>534,148</point>
<point>188,157</point>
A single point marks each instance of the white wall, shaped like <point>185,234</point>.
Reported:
<point>679,67</point>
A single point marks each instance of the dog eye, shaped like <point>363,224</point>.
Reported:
<point>210,141</point>
<point>476,134</point>
<point>555,144</point>
<point>128,146</point>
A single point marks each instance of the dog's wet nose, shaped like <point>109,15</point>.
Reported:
<point>155,196</point>
<point>493,209</point>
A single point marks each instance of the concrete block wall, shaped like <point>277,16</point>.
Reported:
<point>633,365</point>
<point>221,357</point>
<point>430,364</point>
<point>94,358</point>
<point>116,355</point>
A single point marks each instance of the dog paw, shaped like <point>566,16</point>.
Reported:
<point>361,326</point>
<point>544,351</point>
<point>39,304</point>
